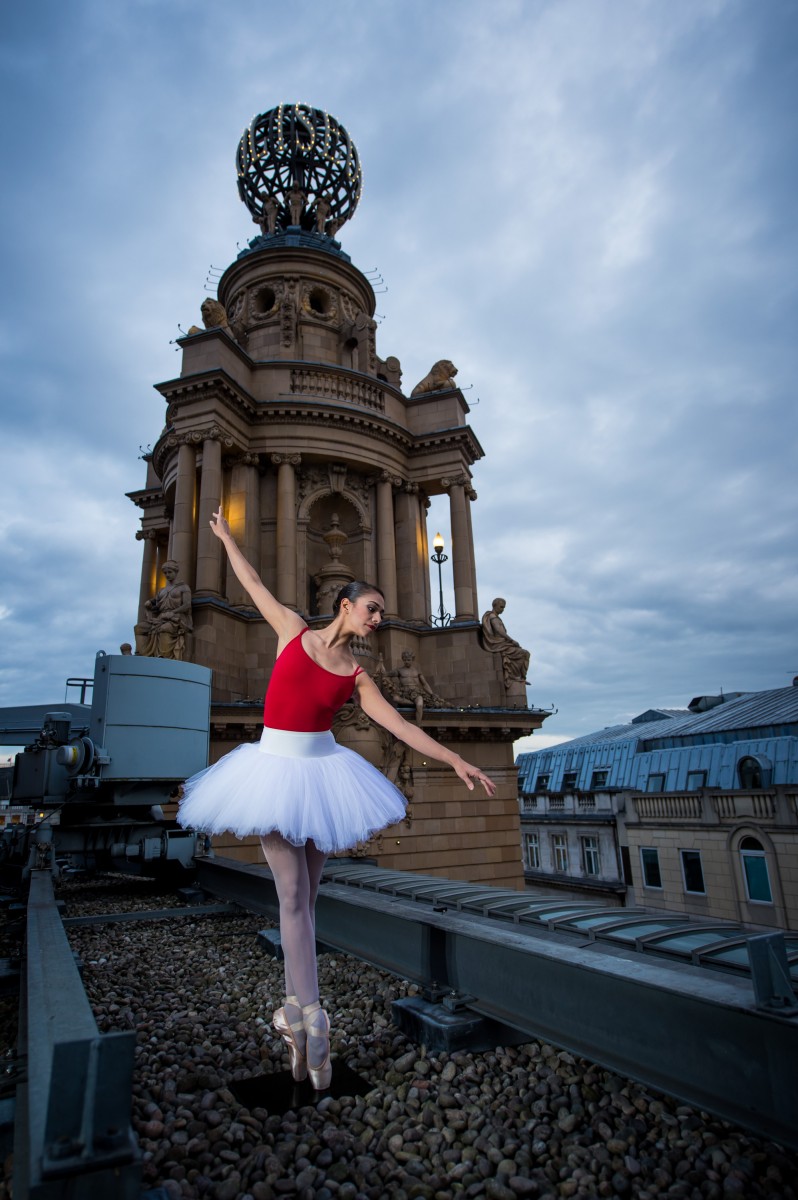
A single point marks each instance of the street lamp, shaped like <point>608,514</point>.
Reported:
<point>443,618</point>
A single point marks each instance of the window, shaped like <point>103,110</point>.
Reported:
<point>692,872</point>
<point>532,851</point>
<point>569,781</point>
<point>696,780</point>
<point>755,871</point>
<point>656,782</point>
<point>649,860</point>
<point>599,779</point>
<point>530,803</point>
<point>751,773</point>
<point>590,855</point>
<point>559,851</point>
<point>542,783</point>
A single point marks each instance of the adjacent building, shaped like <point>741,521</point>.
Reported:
<point>690,810</point>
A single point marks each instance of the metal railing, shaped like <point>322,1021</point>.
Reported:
<point>695,1033</point>
<point>73,1133</point>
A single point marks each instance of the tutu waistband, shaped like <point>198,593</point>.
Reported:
<point>289,744</point>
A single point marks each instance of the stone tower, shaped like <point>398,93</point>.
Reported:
<point>285,414</point>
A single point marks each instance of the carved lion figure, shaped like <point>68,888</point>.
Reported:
<point>213,316</point>
<point>440,379</point>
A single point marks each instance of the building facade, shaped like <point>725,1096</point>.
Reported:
<point>701,809</point>
<point>285,414</point>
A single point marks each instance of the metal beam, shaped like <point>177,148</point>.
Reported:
<point>693,1033</point>
<point>73,1137</point>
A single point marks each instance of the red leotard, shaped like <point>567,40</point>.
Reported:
<point>302,696</point>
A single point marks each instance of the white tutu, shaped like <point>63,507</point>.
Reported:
<point>302,785</point>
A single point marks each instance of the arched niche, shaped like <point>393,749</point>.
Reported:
<point>330,522</point>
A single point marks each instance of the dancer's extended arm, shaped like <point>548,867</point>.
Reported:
<point>375,705</point>
<point>284,621</point>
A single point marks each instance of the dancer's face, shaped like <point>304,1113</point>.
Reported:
<point>364,614</point>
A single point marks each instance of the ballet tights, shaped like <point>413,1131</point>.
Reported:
<point>297,873</point>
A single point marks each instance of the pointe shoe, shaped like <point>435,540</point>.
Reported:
<point>317,1025</point>
<point>296,1057</point>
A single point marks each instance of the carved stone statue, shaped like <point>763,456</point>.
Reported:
<point>296,202</point>
<point>407,683</point>
<point>440,379</point>
<point>268,222</point>
<point>213,316</point>
<point>515,659</point>
<point>322,212</point>
<point>167,619</point>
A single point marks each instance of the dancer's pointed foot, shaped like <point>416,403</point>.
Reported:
<point>317,1028</point>
<point>293,1034</point>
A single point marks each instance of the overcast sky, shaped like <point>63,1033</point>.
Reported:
<point>589,205</point>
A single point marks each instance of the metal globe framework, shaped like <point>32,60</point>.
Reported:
<point>297,165</point>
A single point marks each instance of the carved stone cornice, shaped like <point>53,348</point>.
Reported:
<point>461,437</point>
<point>146,497</point>
<point>186,389</point>
<point>323,416</point>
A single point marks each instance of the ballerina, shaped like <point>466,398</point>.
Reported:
<point>300,792</point>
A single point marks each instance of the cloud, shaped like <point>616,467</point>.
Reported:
<point>588,207</point>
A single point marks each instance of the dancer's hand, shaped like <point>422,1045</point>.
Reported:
<point>471,774</point>
<point>219,525</point>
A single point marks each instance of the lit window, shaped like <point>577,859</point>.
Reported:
<point>649,860</point>
<point>692,872</point>
<point>569,781</point>
<point>542,784</point>
<point>656,782</point>
<point>559,849</point>
<point>696,780</point>
<point>755,871</point>
<point>599,779</point>
<point>590,855</point>
<point>532,851</point>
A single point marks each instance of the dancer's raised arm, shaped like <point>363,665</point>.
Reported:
<point>284,621</point>
<point>375,705</point>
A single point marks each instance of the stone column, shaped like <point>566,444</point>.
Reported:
<point>386,542</point>
<point>243,516</point>
<point>410,565</point>
<point>286,527</point>
<point>462,550</point>
<point>423,506</point>
<point>183,519</point>
<point>148,567</point>
<point>252,509</point>
<point>209,548</point>
<point>471,494</point>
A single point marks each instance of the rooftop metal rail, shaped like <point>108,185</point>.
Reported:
<point>698,1034</point>
<point>73,1134</point>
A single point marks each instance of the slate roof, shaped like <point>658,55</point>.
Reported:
<point>757,714</point>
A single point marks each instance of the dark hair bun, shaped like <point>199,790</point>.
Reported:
<point>353,591</point>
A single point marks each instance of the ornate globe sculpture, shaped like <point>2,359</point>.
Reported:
<point>298,167</point>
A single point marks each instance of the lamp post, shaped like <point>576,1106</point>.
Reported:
<point>442,618</point>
